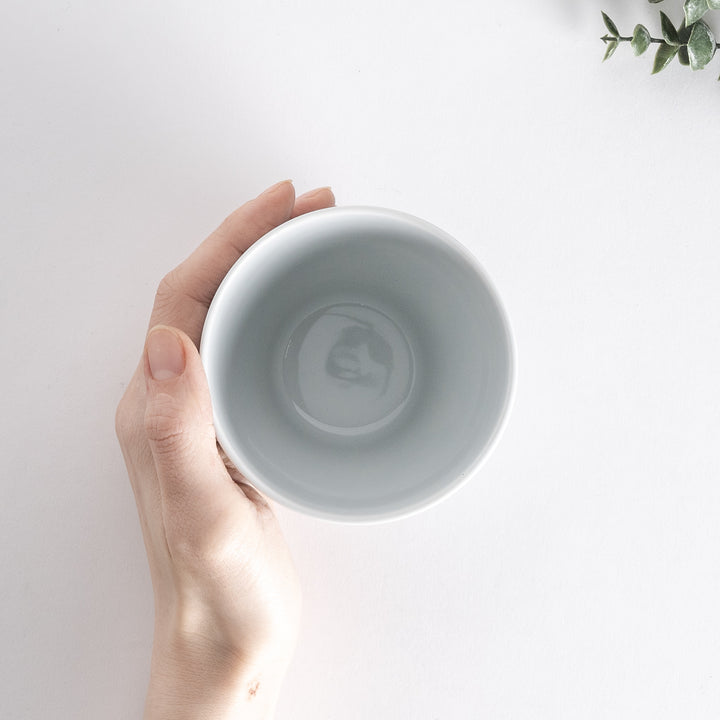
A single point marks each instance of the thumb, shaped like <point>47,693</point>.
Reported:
<point>179,421</point>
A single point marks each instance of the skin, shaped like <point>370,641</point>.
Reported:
<point>227,594</point>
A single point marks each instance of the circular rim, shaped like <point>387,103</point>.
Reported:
<point>237,457</point>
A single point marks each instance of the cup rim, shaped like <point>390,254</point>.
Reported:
<point>438,234</point>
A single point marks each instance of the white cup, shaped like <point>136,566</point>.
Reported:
<point>360,363</point>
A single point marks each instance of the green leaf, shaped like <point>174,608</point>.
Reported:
<point>668,30</point>
<point>683,33</point>
<point>714,4</point>
<point>655,1</point>
<point>701,45</point>
<point>611,48</point>
<point>640,39</point>
<point>694,10</point>
<point>663,57</point>
<point>610,25</point>
<point>683,58</point>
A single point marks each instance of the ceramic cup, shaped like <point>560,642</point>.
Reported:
<point>360,364</point>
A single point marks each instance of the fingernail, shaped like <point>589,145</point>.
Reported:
<point>317,191</point>
<point>276,186</point>
<point>166,355</point>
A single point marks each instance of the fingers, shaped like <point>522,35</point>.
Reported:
<point>185,293</point>
<point>200,275</point>
<point>314,200</point>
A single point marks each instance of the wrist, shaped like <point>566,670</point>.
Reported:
<point>191,681</point>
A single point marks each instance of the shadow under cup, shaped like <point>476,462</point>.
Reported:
<point>360,364</point>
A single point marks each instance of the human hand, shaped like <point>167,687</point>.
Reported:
<point>227,595</point>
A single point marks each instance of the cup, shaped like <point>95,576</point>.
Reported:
<point>360,364</point>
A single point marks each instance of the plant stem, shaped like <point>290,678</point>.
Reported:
<point>610,38</point>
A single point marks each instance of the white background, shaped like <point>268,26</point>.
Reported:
<point>577,574</point>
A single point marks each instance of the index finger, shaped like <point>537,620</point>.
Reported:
<point>185,293</point>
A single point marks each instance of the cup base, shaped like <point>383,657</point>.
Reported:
<point>348,369</point>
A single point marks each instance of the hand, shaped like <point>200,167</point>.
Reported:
<point>227,595</point>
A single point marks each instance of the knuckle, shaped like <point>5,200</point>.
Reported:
<point>163,426</point>
<point>168,284</point>
<point>124,419</point>
<point>167,291</point>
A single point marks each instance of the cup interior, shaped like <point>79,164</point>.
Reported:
<point>359,363</point>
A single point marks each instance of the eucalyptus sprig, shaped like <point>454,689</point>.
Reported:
<point>693,41</point>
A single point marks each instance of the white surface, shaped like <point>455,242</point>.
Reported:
<point>577,575</point>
